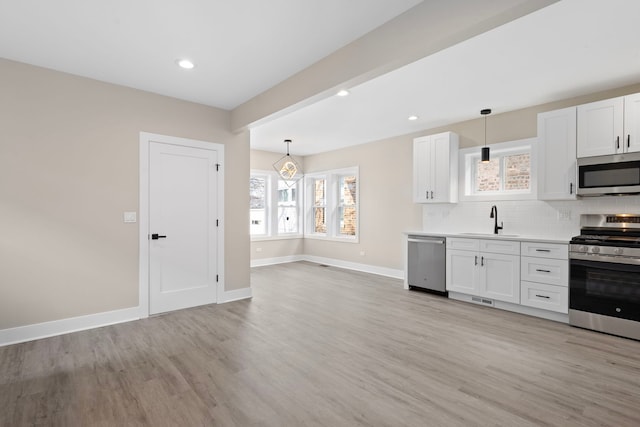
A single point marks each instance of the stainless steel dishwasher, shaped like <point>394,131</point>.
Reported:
<point>427,264</point>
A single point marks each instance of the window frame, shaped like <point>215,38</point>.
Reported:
<point>272,207</point>
<point>332,205</point>
<point>468,158</point>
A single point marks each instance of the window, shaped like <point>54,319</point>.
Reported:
<point>274,205</point>
<point>332,205</point>
<point>510,175</point>
<point>258,204</point>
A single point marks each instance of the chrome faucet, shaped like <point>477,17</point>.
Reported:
<point>494,215</point>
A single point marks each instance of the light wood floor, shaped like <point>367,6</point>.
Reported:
<point>321,346</point>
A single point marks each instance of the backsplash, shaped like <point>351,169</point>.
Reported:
<point>531,218</point>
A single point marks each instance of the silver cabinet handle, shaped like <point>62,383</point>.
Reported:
<point>571,188</point>
<point>543,271</point>
<point>432,194</point>
<point>618,142</point>
<point>628,140</point>
<point>543,296</point>
<point>435,241</point>
<point>543,250</point>
<point>481,261</point>
<point>476,261</point>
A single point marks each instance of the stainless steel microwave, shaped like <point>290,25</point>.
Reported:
<point>615,174</point>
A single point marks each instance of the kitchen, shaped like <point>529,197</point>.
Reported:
<point>269,355</point>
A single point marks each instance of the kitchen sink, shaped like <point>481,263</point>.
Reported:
<point>490,234</point>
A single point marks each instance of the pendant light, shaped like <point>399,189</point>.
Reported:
<point>287,168</point>
<point>485,150</point>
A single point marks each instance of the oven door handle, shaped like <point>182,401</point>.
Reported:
<point>592,260</point>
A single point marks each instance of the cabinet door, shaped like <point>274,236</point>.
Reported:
<point>600,127</point>
<point>462,271</point>
<point>421,169</point>
<point>500,277</point>
<point>557,165</point>
<point>441,177</point>
<point>632,123</point>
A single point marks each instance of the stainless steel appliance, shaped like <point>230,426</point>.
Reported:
<point>427,263</point>
<point>609,175</point>
<point>604,275</point>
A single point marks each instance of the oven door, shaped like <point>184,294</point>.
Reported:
<point>606,288</point>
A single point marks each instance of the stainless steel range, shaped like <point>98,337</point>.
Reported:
<point>604,278</point>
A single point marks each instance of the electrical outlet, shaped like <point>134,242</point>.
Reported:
<point>564,214</point>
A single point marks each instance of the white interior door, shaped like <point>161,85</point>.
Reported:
<point>183,232</point>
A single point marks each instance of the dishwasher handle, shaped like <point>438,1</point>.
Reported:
<point>433,240</point>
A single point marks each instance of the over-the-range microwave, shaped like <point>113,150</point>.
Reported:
<point>614,174</point>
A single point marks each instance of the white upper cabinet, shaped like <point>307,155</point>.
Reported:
<point>632,123</point>
<point>435,168</point>
<point>557,151</point>
<point>611,126</point>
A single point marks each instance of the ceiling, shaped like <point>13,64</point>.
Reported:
<point>568,49</point>
<point>240,47</point>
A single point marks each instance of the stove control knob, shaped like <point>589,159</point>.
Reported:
<point>582,248</point>
<point>618,251</point>
<point>595,249</point>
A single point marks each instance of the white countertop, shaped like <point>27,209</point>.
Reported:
<point>506,236</point>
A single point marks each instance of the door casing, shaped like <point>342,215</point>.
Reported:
<point>143,269</point>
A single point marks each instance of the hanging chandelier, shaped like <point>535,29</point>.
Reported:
<point>287,168</point>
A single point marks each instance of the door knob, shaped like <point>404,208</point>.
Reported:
<point>156,236</point>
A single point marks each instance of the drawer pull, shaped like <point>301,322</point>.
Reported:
<point>543,296</point>
<point>543,250</point>
<point>543,271</point>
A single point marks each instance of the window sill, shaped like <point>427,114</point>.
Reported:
<point>333,239</point>
<point>282,237</point>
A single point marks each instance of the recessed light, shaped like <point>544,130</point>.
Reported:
<point>185,63</point>
<point>412,118</point>
<point>343,92</point>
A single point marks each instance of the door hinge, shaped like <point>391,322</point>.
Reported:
<point>217,277</point>
<point>217,166</point>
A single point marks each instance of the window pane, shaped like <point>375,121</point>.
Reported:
<point>319,220</point>
<point>517,172</point>
<point>348,218</point>
<point>347,187</point>
<point>487,176</point>
<point>347,215</point>
<point>319,192</point>
<point>257,205</point>
<point>287,207</point>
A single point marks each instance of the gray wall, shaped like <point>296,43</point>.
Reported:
<point>69,169</point>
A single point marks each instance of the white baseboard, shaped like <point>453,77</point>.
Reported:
<point>366,268</point>
<point>65,326</point>
<point>278,260</point>
<point>236,294</point>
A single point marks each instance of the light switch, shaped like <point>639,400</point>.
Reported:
<point>129,217</point>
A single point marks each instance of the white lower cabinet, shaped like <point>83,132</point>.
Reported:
<point>546,297</point>
<point>485,268</point>
<point>545,276</point>
<point>530,274</point>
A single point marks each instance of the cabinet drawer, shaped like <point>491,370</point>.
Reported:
<point>546,297</point>
<point>463,244</point>
<point>545,250</point>
<point>545,270</point>
<point>498,246</point>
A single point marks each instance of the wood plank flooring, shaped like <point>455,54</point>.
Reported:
<point>322,346</point>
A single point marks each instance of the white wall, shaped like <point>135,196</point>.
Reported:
<point>525,218</point>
